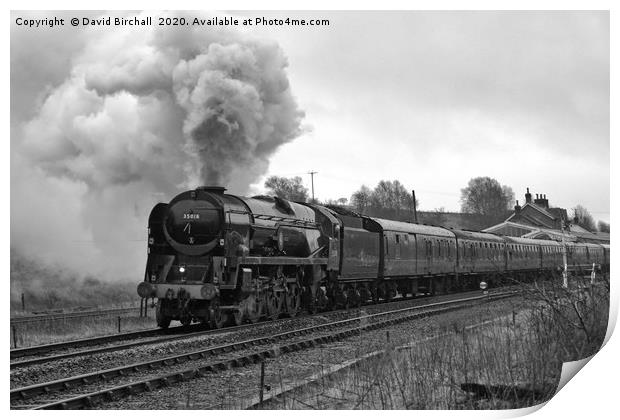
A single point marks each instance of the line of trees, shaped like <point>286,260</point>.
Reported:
<point>482,195</point>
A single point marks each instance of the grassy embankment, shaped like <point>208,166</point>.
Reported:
<point>52,289</point>
<point>514,361</point>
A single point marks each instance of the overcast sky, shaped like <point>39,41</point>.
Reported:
<point>107,121</point>
<point>435,98</point>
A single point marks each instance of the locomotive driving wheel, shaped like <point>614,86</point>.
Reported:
<point>273,304</point>
<point>293,300</point>
<point>162,320</point>
<point>217,317</point>
<point>252,309</point>
<point>237,317</point>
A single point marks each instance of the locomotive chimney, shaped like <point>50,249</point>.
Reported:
<point>212,189</point>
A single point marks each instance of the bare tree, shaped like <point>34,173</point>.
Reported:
<point>288,188</point>
<point>392,195</point>
<point>603,227</point>
<point>360,199</point>
<point>388,199</point>
<point>484,195</point>
<point>583,218</point>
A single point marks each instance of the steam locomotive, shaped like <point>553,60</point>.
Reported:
<point>220,258</point>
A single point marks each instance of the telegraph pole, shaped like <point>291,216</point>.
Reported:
<point>565,271</point>
<point>415,210</point>
<point>312,180</point>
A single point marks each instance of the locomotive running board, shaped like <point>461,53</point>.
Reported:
<point>277,261</point>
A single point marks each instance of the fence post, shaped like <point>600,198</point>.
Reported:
<point>141,305</point>
<point>23,302</point>
<point>14,336</point>
<point>262,383</point>
<point>119,324</point>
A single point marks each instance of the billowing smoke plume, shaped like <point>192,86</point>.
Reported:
<point>125,118</point>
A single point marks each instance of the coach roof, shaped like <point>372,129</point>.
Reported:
<point>413,228</point>
<point>476,236</point>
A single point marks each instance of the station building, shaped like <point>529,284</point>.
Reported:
<point>536,220</point>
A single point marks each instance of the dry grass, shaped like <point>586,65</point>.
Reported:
<point>50,331</point>
<point>514,361</point>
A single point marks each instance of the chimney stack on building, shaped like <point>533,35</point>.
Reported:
<point>517,208</point>
<point>528,196</point>
<point>541,201</point>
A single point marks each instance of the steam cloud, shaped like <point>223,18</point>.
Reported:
<point>122,119</point>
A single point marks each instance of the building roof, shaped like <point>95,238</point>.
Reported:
<point>534,215</point>
<point>534,232</point>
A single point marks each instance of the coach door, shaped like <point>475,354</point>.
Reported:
<point>429,255</point>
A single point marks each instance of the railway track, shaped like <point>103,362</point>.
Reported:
<point>86,342</point>
<point>161,336</point>
<point>88,390</point>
